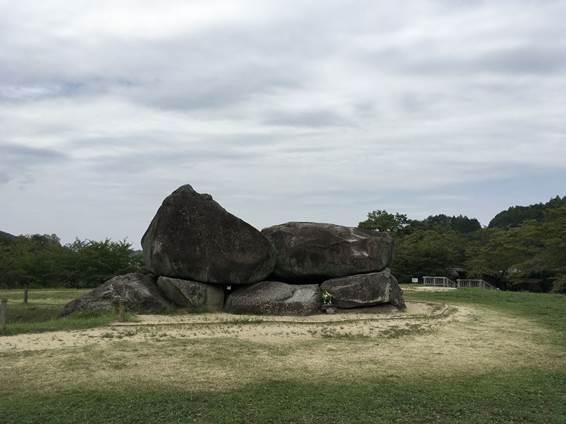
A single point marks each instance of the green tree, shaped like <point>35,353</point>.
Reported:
<point>427,252</point>
<point>517,215</point>
<point>30,260</point>
<point>94,262</point>
<point>382,220</point>
<point>523,248</point>
<point>460,224</point>
<point>41,261</point>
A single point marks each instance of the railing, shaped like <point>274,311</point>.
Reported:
<point>438,281</point>
<point>459,283</point>
<point>473,283</point>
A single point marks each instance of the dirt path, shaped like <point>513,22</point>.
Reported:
<point>286,328</point>
<point>218,351</point>
<point>428,289</point>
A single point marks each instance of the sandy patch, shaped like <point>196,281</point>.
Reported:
<point>276,328</point>
<point>428,289</point>
<point>218,351</point>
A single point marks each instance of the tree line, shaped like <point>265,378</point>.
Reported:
<point>522,248</point>
<point>42,261</point>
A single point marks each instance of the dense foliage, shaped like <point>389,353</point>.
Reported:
<point>517,215</point>
<point>383,221</point>
<point>524,248</point>
<point>397,223</point>
<point>42,261</point>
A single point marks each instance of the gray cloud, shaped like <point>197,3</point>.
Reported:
<point>16,161</point>
<point>4,178</point>
<point>528,59</point>
<point>282,110</point>
<point>18,155</point>
<point>307,118</point>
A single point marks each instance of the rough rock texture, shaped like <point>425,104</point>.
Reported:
<point>138,290</point>
<point>193,237</point>
<point>308,250</point>
<point>192,294</point>
<point>365,290</point>
<point>275,298</point>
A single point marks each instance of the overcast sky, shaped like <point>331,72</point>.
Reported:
<point>282,110</point>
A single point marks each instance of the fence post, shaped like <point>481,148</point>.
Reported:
<point>121,310</point>
<point>26,294</point>
<point>3,314</point>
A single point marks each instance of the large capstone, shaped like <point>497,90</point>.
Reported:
<point>365,290</point>
<point>138,292</point>
<point>192,237</point>
<point>192,294</point>
<point>275,298</point>
<point>315,251</point>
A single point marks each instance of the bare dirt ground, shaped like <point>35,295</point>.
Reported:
<point>428,289</point>
<point>215,351</point>
<point>281,329</point>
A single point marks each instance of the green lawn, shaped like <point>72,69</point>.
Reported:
<point>43,309</point>
<point>43,296</point>
<point>528,397</point>
<point>545,308</point>
<point>532,392</point>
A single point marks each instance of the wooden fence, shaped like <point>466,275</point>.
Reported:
<point>3,314</point>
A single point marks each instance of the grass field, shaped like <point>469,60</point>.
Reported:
<point>43,309</point>
<point>497,357</point>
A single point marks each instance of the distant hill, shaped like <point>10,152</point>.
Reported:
<point>517,215</point>
<point>6,236</point>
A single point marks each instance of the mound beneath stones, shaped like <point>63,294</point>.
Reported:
<point>203,258</point>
